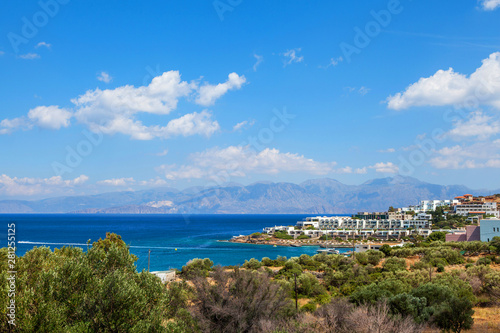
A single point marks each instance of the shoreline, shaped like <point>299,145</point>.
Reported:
<point>301,242</point>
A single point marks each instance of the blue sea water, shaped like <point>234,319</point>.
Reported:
<point>194,236</point>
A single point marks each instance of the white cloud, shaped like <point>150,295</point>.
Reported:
<point>112,111</point>
<point>43,44</point>
<point>361,170</point>
<point>162,153</point>
<point>208,93</point>
<point>190,124</point>
<point>292,57</point>
<point>489,4</point>
<point>388,150</point>
<point>388,167</point>
<point>361,90</point>
<point>153,182</point>
<point>335,61</point>
<point>348,169</point>
<point>130,181</point>
<point>29,56</point>
<point>239,161</point>
<point>8,126</point>
<point>117,182</point>
<point>159,97</point>
<point>50,117</point>
<point>477,155</point>
<point>447,87</point>
<point>259,59</point>
<point>13,186</point>
<point>104,77</point>
<point>478,125</point>
<point>243,124</point>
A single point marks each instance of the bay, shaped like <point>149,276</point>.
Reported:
<point>172,239</point>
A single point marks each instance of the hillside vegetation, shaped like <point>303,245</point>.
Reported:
<point>411,289</point>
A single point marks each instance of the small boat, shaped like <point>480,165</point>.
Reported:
<point>275,246</point>
<point>295,245</point>
<point>328,251</point>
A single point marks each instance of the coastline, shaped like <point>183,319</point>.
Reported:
<point>289,242</point>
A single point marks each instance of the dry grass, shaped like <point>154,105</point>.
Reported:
<point>486,320</point>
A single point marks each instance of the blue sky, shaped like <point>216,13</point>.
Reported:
<point>105,96</point>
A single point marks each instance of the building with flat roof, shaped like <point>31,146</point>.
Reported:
<point>479,208</point>
<point>489,228</point>
<point>430,205</point>
<point>165,276</point>
<point>344,226</point>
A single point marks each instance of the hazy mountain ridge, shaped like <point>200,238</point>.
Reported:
<point>317,196</point>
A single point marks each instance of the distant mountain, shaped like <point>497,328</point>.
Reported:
<point>317,196</point>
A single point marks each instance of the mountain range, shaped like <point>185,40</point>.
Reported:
<point>317,196</point>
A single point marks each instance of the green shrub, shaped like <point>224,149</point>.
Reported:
<point>362,258</point>
<point>197,268</point>
<point>322,299</point>
<point>309,286</point>
<point>252,264</point>
<point>394,264</point>
<point>309,307</point>
<point>303,237</point>
<point>282,235</point>
<point>374,256</point>
<point>440,268</point>
<point>386,249</point>
<point>267,262</point>
<point>454,315</point>
<point>256,235</point>
<point>405,304</point>
<point>483,261</point>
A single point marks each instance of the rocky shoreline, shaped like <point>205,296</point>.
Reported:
<point>288,242</point>
<point>297,242</point>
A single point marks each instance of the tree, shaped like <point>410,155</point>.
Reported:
<point>455,315</point>
<point>385,249</point>
<point>394,264</point>
<point>197,267</point>
<point>252,264</point>
<point>391,209</point>
<point>437,236</point>
<point>408,305</point>
<point>495,244</point>
<point>68,290</point>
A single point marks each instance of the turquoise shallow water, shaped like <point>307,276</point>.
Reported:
<point>194,236</point>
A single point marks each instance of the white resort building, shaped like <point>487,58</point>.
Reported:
<point>348,227</point>
<point>430,205</point>
<point>488,208</point>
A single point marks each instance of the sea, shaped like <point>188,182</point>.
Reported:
<point>173,239</point>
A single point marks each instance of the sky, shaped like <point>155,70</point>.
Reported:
<point>112,95</point>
